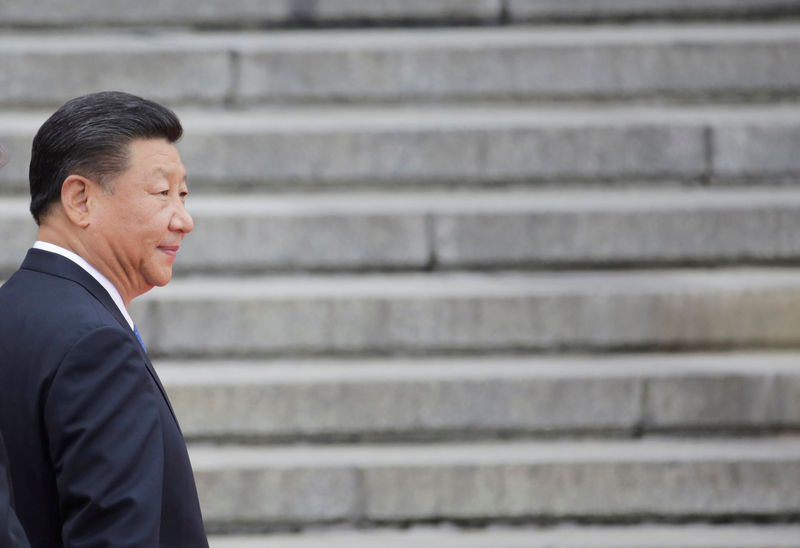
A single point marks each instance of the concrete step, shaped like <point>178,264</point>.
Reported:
<point>484,229</point>
<point>598,10</point>
<point>520,62</point>
<point>425,230</point>
<point>468,146</point>
<point>246,14</point>
<point>640,536</point>
<point>668,479</point>
<point>468,398</point>
<point>423,313</point>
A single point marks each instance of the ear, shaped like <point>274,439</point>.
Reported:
<point>75,193</point>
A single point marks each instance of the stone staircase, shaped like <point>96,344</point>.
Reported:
<point>475,273</point>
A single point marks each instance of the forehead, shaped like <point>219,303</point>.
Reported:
<point>156,157</point>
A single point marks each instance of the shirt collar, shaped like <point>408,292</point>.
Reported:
<point>81,262</point>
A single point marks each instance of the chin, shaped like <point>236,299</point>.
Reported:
<point>160,280</point>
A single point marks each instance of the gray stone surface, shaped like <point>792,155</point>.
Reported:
<point>276,232</point>
<point>523,62</point>
<point>733,391</point>
<point>763,395</point>
<point>388,230</point>
<point>523,10</point>
<point>42,68</point>
<point>399,399</point>
<point>146,12</point>
<point>647,536</point>
<point>421,145</point>
<point>482,144</point>
<point>473,312</point>
<point>469,491</point>
<point>17,232</point>
<point>619,227</point>
<point>245,13</point>
<point>458,397</point>
<point>47,69</point>
<point>279,493</point>
<point>16,134</point>
<point>515,479</point>
<point>710,402</point>
<point>451,10</point>
<point>249,13</point>
<point>752,150</point>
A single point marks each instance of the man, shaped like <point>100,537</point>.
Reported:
<point>11,533</point>
<point>96,454</point>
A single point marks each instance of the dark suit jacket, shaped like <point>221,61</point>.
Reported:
<point>11,533</point>
<point>96,454</point>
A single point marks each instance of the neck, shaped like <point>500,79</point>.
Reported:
<point>49,234</point>
<point>70,242</point>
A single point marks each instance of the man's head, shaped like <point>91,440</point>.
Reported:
<point>89,136</point>
<point>108,183</point>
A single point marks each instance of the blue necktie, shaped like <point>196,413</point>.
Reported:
<point>136,332</point>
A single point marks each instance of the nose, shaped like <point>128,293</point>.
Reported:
<point>181,221</point>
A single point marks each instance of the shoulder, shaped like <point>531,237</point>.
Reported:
<point>43,317</point>
<point>52,299</point>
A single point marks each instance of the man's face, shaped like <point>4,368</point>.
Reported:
<point>140,224</point>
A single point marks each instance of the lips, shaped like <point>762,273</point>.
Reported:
<point>171,250</point>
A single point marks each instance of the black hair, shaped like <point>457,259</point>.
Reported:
<point>90,136</point>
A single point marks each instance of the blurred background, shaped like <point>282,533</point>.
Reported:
<point>480,273</point>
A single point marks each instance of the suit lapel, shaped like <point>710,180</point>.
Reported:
<point>153,374</point>
<point>56,265</point>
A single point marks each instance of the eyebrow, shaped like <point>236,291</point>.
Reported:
<point>167,172</point>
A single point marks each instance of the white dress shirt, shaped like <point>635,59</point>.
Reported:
<point>81,262</point>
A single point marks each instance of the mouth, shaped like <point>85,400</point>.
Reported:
<point>171,250</point>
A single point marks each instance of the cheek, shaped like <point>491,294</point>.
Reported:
<point>152,225</point>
